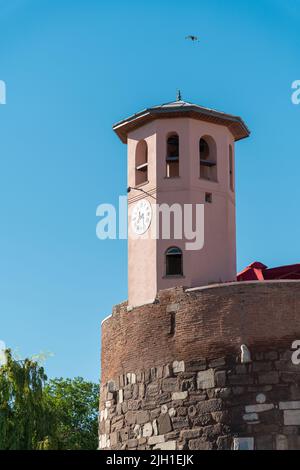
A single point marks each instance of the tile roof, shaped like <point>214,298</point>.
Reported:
<point>181,108</point>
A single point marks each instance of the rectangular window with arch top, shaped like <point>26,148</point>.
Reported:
<point>172,158</point>
<point>174,261</point>
<point>141,163</point>
<point>208,158</point>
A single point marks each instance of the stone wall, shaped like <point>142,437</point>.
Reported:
<point>219,404</point>
<point>172,376</point>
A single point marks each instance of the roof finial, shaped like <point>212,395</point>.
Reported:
<point>178,96</point>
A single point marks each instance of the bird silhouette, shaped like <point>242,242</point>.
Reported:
<point>192,38</point>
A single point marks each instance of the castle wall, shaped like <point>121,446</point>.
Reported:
<point>172,377</point>
<point>205,405</point>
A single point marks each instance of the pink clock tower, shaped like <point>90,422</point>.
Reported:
<point>180,153</point>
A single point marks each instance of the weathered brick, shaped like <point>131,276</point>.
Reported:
<point>261,366</point>
<point>220,378</point>
<point>142,417</point>
<point>170,384</point>
<point>271,355</point>
<point>200,444</point>
<point>219,362</point>
<point>190,433</point>
<point>203,419</point>
<point>269,378</point>
<point>209,406</point>
<point>196,365</point>
<point>264,443</point>
<point>240,379</point>
<point>131,417</point>
<point>152,389</point>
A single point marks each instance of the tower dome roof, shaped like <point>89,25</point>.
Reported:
<point>180,108</point>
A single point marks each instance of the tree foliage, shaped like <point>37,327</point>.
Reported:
<point>25,418</point>
<point>40,414</point>
<point>76,409</point>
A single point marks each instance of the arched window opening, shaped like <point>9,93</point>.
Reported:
<point>231,176</point>
<point>174,262</point>
<point>208,158</point>
<point>172,156</point>
<point>141,163</point>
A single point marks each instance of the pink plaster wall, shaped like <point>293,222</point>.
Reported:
<point>216,262</point>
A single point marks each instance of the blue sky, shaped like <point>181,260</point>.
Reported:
<point>72,69</point>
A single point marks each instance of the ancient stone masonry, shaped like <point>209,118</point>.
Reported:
<point>220,404</point>
<point>163,393</point>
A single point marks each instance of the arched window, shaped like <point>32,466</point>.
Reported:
<point>174,261</point>
<point>172,158</point>
<point>231,176</point>
<point>141,163</point>
<point>208,158</point>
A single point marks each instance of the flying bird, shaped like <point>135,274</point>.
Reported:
<point>192,38</point>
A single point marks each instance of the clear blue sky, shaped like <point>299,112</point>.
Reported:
<point>72,69</point>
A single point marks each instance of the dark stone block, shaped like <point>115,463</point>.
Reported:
<point>133,405</point>
<point>220,378</point>
<point>261,366</point>
<point>294,442</point>
<point>203,420</point>
<point>188,384</point>
<point>200,444</point>
<point>240,380</point>
<point>241,369</point>
<point>195,366</point>
<point>271,417</point>
<point>224,442</point>
<point>152,389</point>
<point>295,392</point>
<point>269,378</point>
<point>212,432</point>
<point>164,424</point>
<point>170,384</point>
<point>221,361</point>
<point>271,355</point>
<point>190,433</point>
<point>182,411</point>
<point>209,406</point>
<point>290,377</point>
<point>180,422</point>
<point>264,442</point>
<point>164,398</point>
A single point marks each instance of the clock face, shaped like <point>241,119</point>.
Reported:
<point>141,217</point>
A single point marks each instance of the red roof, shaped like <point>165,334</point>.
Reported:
<point>259,272</point>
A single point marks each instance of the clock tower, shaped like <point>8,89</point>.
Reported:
<point>180,154</point>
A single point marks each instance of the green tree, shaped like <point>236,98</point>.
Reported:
<point>40,414</point>
<point>75,404</point>
<point>26,420</point>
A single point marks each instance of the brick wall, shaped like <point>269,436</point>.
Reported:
<point>210,322</point>
<point>172,376</point>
